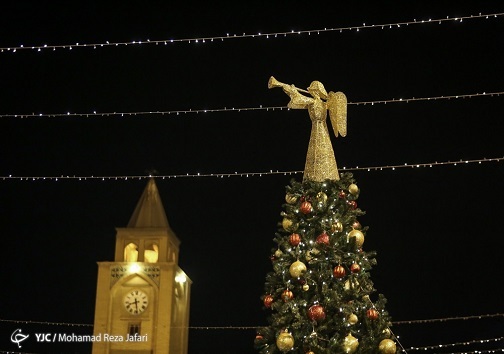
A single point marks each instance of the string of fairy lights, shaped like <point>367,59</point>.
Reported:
<point>409,322</point>
<point>228,36</point>
<point>249,174</point>
<point>422,348</point>
<point>235,110</point>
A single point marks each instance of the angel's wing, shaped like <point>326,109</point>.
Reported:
<point>337,105</point>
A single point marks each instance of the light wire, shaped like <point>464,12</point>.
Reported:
<point>228,36</point>
<point>249,174</point>
<point>225,109</point>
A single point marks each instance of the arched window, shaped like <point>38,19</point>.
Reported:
<point>152,255</point>
<point>131,252</point>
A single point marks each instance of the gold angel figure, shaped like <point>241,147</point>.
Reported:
<point>320,161</point>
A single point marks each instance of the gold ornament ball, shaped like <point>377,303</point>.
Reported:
<point>308,256</point>
<point>353,189</point>
<point>353,319</point>
<point>386,332</point>
<point>278,253</point>
<point>289,225</point>
<point>351,285</point>
<point>322,199</point>
<point>359,237</point>
<point>306,287</point>
<point>291,199</point>
<point>350,344</point>
<point>285,341</point>
<point>297,269</point>
<point>337,227</point>
<point>387,346</point>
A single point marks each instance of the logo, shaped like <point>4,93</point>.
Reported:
<point>18,337</point>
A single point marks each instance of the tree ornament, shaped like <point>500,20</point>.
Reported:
<point>321,200</point>
<point>341,195</point>
<point>353,319</point>
<point>355,268</point>
<point>356,225</point>
<point>386,332</point>
<point>306,207</point>
<point>350,344</point>
<point>289,225</point>
<point>323,239</point>
<point>278,253</point>
<point>372,314</point>
<point>290,198</point>
<point>310,352</point>
<point>337,227</point>
<point>351,285</point>
<point>287,295</point>
<point>352,204</point>
<point>308,256</point>
<point>316,313</point>
<point>268,300</point>
<point>353,189</point>
<point>359,237</point>
<point>387,346</point>
<point>297,269</point>
<point>306,287</point>
<point>339,272</point>
<point>294,239</point>
<point>285,341</point>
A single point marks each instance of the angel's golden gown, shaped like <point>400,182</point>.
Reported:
<point>320,161</point>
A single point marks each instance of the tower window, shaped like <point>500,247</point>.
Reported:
<point>131,252</point>
<point>134,328</point>
<point>151,256</point>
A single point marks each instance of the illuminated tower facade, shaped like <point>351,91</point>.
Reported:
<point>143,297</point>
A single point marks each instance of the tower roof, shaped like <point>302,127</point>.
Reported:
<point>149,211</point>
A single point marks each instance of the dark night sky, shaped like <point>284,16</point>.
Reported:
<point>437,231</point>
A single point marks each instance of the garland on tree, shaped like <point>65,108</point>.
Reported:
<point>319,290</point>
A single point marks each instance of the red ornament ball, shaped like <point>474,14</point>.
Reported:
<point>355,268</point>
<point>372,314</point>
<point>339,272</point>
<point>306,207</point>
<point>341,195</point>
<point>259,337</point>
<point>316,313</point>
<point>356,225</point>
<point>287,295</point>
<point>294,239</point>
<point>268,300</point>
<point>323,239</point>
<point>352,204</point>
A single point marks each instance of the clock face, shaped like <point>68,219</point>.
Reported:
<point>136,302</point>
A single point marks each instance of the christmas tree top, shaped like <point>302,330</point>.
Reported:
<point>320,161</point>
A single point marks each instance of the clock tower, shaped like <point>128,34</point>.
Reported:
<point>142,297</point>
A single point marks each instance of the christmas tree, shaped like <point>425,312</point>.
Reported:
<point>319,292</point>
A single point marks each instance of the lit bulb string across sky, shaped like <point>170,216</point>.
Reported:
<point>44,47</point>
<point>476,341</point>
<point>244,109</point>
<point>433,320</point>
<point>248,174</point>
